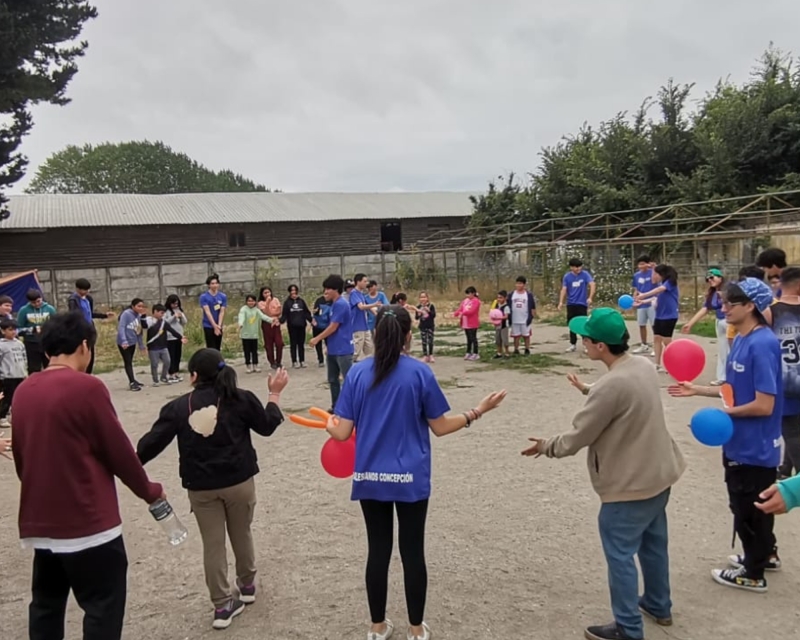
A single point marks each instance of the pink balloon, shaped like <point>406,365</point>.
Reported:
<point>684,360</point>
<point>339,458</point>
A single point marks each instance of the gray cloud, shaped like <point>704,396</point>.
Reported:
<point>359,95</point>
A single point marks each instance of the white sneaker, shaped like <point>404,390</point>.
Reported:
<point>642,348</point>
<point>382,636</point>
<point>5,424</point>
<point>660,369</point>
<point>570,349</point>
<point>425,636</point>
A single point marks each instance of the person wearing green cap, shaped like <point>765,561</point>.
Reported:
<point>622,423</point>
<point>713,302</point>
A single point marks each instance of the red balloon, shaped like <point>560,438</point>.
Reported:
<point>339,458</point>
<point>684,360</point>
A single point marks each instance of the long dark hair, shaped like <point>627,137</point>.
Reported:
<point>172,298</point>
<point>392,326</point>
<point>712,290</point>
<point>261,293</point>
<point>211,369</point>
<point>398,298</point>
<point>667,273</point>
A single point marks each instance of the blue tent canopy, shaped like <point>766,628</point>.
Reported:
<point>17,286</point>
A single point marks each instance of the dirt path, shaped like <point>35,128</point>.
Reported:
<point>513,549</point>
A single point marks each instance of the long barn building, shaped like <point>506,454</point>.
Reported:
<point>118,230</point>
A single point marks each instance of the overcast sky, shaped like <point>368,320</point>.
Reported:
<point>371,95</point>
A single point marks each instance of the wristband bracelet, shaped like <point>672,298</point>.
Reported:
<point>466,417</point>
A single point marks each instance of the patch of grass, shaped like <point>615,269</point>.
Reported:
<point>534,363</point>
<point>706,328</point>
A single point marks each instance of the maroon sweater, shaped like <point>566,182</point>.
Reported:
<point>68,446</point>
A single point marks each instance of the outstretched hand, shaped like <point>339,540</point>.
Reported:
<point>682,390</point>
<point>575,381</point>
<point>492,401</point>
<point>536,449</point>
<point>276,382</point>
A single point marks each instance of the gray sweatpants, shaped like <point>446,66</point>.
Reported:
<point>156,356</point>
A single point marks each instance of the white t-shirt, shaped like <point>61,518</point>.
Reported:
<point>519,307</point>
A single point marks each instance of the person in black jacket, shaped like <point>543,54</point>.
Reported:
<point>296,315</point>
<point>81,301</point>
<point>217,466</point>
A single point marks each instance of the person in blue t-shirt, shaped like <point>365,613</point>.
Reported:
<point>359,310</point>
<point>394,402</point>
<point>213,303</point>
<point>645,313</point>
<point>577,290</point>
<point>320,319</point>
<point>713,302</point>
<point>372,296</point>
<point>752,454</point>
<point>667,308</point>
<point>338,335</point>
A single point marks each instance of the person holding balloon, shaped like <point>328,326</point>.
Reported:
<point>642,282</point>
<point>392,402</point>
<point>633,464</point>
<point>713,302</point>
<point>754,399</point>
<point>218,465</point>
<point>667,308</point>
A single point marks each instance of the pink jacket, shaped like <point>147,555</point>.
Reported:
<point>469,312</point>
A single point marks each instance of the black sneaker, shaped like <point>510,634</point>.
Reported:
<point>497,356</point>
<point>516,352</point>
<point>738,579</point>
<point>135,386</point>
<point>527,352</point>
<point>223,617</point>
<point>774,564</point>
<point>607,632</point>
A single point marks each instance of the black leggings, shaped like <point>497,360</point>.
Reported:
<point>791,442</point>
<point>213,341</point>
<point>315,331</point>
<point>379,518</point>
<point>575,311</point>
<point>472,340</point>
<point>250,348</point>
<point>427,341</point>
<point>297,343</point>
<point>127,354</point>
<point>175,350</point>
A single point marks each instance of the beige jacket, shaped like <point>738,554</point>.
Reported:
<point>631,454</point>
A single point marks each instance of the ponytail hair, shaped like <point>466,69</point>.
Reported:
<point>211,369</point>
<point>392,327</point>
<point>667,273</point>
<point>399,298</point>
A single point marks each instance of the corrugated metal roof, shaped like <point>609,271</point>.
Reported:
<point>115,210</point>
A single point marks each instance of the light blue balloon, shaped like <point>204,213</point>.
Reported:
<point>712,427</point>
<point>625,302</point>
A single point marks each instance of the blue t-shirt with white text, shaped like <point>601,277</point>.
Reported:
<point>577,285</point>
<point>340,342</point>
<point>667,307</point>
<point>714,303</point>
<point>359,316</point>
<point>393,447</point>
<point>215,303</point>
<point>754,364</point>
<point>643,282</point>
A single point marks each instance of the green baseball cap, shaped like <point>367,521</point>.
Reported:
<point>714,272</point>
<point>603,325</point>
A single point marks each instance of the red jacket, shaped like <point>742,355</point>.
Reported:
<point>68,445</point>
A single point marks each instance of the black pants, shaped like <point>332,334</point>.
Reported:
<point>315,331</point>
<point>36,358</point>
<point>9,387</point>
<point>379,518</point>
<point>90,368</point>
<point>297,343</point>
<point>427,341</point>
<point>472,340</point>
<point>127,354</point>
<point>175,350</point>
<point>575,311</point>
<point>790,428</point>
<point>753,526</point>
<point>213,341</point>
<point>250,348</point>
<point>97,578</point>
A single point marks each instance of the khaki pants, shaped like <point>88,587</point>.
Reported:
<point>215,510</point>
<point>362,343</point>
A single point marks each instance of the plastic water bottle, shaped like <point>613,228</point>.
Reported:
<point>165,516</point>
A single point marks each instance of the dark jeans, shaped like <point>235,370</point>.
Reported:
<point>575,311</point>
<point>9,387</point>
<point>379,519</point>
<point>297,343</point>
<point>337,365</point>
<point>427,341</point>
<point>90,368</point>
<point>753,526</point>
<point>127,354</point>
<point>250,347</point>
<point>472,340</point>
<point>791,439</point>
<point>36,358</point>
<point>97,578</point>
<point>175,349</point>
<point>637,528</point>
<point>315,331</point>
<point>213,341</point>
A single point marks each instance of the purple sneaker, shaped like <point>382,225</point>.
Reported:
<point>224,616</point>
<point>247,593</point>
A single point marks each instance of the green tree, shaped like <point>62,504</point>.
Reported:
<point>38,55</point>
<point>132,167</point>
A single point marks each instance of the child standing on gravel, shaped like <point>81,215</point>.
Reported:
<point>426,314</point>
<point>250,319</point>
<point>469,313</point>
<point>157,330</point>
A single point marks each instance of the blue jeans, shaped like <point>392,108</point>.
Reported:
<point>337,365</point>
<point>637,528</point>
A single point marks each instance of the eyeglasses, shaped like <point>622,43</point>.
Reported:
<point>730,305</point>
